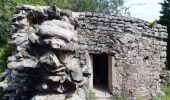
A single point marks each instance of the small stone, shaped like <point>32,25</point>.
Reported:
<point>123,40</point>
<point>44,86</point>
<point>163,43</point>
<point>54,78</point>
<point>4,85</point>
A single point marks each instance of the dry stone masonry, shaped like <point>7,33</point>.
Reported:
<point>52,49</point>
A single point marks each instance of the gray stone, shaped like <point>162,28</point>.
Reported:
<point>69,61</point>
<point>54,78</point>
<point>55,43</point>
<point>63,24</point>
<point>65,12</point>
<point>20,21</point>
<point>77,75</point>
<point>26,63</point>
<point>5,73</point>
<point>4,85</point>
<point>51,59</point>
<point>19,39</point>
<point>33,38</point>
<point>11,58</point>
<point>74,97</point>
<point>156,34</point>
<point>49,97</point>
<point>53,28</point>
<point>163,43</point>
<point>123,40</point>
<point>59,89</point>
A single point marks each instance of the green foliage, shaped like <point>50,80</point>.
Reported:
<point>5,51</point>
<point>91,95</point>
<point>114,7</point>
<point>153,24</point>
<point>166,90</point>
<point>4,39</point>
<point>138,98</point>
<point>164,20</point>
<point>118,98</point>
<point>165,84</point>
<point>157,98</point>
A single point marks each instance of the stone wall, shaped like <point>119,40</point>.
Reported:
<point>51,54</point>
<point>139,51</point>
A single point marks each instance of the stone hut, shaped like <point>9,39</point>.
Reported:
<point>63,55</point>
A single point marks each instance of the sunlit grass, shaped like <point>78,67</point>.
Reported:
<point>166,90</point>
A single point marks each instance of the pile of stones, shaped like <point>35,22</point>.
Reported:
<point>44,60</point>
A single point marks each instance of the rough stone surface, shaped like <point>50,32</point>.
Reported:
<point>51,47</point>
<point>57,28</point>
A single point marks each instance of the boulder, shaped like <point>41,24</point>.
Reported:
<point>11,58</point>
<point>76,75</point>
<point>26,63</point>
<point>51,59</point>
<point>55,43</point>
<point>63,24</point>
<point>53,29</point>
<point>19,39</point>
<point>69,61</point>
<point>54,78</point>
<point>49,97</point>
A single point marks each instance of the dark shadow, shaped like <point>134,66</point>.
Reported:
<point>100,71</point>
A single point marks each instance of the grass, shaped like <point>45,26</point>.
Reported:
<point>91,95</point>
<point>118,98</point>
<point>166,90</point>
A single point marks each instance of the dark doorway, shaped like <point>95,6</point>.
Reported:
<point>100,71</point>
